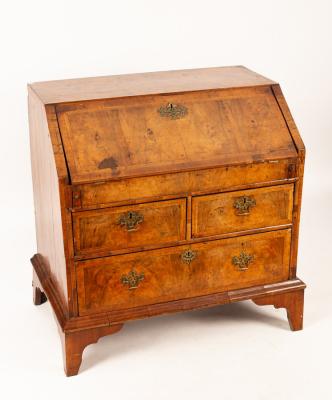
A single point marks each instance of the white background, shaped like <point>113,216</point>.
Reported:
<point>229,352</point>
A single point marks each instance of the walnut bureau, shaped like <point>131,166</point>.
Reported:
<point>162,192</point>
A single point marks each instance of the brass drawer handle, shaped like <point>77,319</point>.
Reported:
<point>173,111</point>
<point>132,279</point>
<point>243,204</point>
<point>242,261</point>
<point>188,256</point>
<point>131,220</point>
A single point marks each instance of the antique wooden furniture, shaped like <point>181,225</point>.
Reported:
<point>163,192</point>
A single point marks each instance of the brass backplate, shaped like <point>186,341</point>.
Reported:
<point>243,204</point>
<point>173,111</point>
<point>132,279</point>
<point>188,256</point>
<point>131,220</point>
<point>242,261</point>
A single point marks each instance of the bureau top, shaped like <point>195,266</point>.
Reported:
<point>158,123</point>
<point>106,87</point>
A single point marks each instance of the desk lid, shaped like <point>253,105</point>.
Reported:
<point>123,137</point>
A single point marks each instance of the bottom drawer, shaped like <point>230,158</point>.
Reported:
<point>155,276</point>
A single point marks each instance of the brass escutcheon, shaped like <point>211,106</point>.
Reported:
<point>131,220</point>
<point>132,279</point>
<point>242,204</point>
<point>188,256</point>
<point>173,111</point>
<point>242,261</point>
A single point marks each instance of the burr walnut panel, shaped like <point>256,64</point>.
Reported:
<point>242,210</point>
<point>185,183</point>
<point>132,280</point>
<point>129,226</point>
<point>123,138</point>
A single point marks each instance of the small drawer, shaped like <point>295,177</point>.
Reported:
<point>242,210</point>
<point>156,276</point>
<point>140,225</point>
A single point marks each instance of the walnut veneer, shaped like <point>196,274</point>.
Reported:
<point>162,192</point>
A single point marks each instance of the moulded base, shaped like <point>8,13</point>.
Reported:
<point>78,332</point>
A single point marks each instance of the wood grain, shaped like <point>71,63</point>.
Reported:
<point>74,324</point>
<point>78,332</point>
<point>106,87</point>
<point>48,175</point>
<point>216,214</point>
<point>183,184</point>
<point>163,222</point>
<point>128,137</point>
<point>74,343</point>
<point>300,171</point>
<point>167,277</point>
<point>289,120</point>
<point>292,301</point>
<point>101,150</point>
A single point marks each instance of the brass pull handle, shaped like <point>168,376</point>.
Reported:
<point>188,256</point>
<point>243,204</point>
<point>242,261</point>
<point>173,111</point>
<point>132,279</point>
<point>131,220</point>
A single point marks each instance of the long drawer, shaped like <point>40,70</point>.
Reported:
<point>155,276</point>
<point>183,183</point>
<point>116,228</point>
<point>242,210</point>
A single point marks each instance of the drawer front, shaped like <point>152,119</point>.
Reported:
<point>185,183</point>
<point>128,227</point>
<point>155,276</point>
<point>242,210</point>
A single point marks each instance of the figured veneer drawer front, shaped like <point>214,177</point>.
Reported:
<point>130,226</point>
<point>155,276</point>
<point>242,210</point>
<point>186,183</point>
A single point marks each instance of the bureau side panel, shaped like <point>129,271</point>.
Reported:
<point>300,147</point>
<point>49,181</point>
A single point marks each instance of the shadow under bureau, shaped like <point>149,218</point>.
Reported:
<point>162,192</point>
